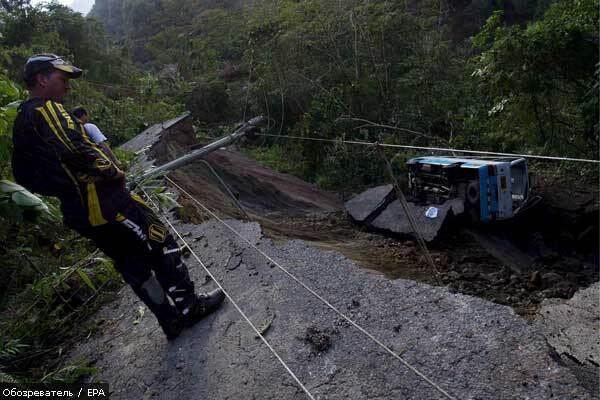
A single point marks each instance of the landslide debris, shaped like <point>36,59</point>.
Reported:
<point>548,253</point>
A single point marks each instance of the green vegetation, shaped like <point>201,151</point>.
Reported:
<point>55,279</point>
<point>540,83</point>
<point>495,75</point>
<point>120,96</point>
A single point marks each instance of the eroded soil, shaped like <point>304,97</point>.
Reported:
<point>505,264</point>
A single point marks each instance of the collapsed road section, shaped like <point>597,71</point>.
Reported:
<point>379,209</point>
<point>470,347</point>
<point>486,190</point>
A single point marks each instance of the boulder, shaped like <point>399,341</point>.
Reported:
<point>571,327</point>
<point>367,205</point>
<point>394,219</point>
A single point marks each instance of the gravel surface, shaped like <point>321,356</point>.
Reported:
<point>472,348</point>
<point>571,327</point>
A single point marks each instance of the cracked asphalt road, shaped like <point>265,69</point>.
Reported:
<point>472,348</point>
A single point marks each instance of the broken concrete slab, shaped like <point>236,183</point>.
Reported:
<point>571,326</point>
<point>504,251</point>
<point>257,187</point>
<point>367,205</point>
<point>394,219</point>
<point>153,135</point>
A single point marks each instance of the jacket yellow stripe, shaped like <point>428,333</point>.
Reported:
<point>68,171</point>
<point>65,115</point>
<point>49,121</point>
<point>53,114</point>
<point>98,150</point>
<point>94,211</point>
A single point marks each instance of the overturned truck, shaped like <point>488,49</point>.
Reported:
<point>480,190</point>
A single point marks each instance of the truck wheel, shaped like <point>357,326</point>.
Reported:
<point>473,193</point>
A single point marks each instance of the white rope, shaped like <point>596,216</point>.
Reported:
<point>310,396</point>
<point>533,156</point>
<point>370,336</point>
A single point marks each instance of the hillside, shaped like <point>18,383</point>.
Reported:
<point>459,74</point>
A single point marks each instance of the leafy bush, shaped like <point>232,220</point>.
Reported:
<point>10,95</point>
<point>539,82</point>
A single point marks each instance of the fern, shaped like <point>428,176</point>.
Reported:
<point>68,374</point>
<point>11,349</point>
<point>6,378</point>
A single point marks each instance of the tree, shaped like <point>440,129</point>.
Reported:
<point>538,81</point>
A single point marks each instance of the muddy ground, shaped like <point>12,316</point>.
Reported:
<point>517,263</point>
<point>551,253</point>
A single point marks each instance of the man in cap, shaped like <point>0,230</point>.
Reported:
<point>54,156</point>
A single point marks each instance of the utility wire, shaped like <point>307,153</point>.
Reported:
<point>410,217</point>
<point>310,396</point>
<point>336,310</point>
<point>532,156</point>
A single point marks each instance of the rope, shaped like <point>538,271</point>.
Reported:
<point>532,156</point>
<point>337,311</point>
<point>410,217</point>
<point>310,396</point>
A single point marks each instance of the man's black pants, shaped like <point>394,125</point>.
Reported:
<point>148,258</point>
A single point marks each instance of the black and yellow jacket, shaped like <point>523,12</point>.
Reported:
<point>54,156</point>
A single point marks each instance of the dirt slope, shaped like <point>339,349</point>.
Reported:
<point>260,189</point>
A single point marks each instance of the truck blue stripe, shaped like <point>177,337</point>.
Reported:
<point>484,211</point>
<point>493,182</point>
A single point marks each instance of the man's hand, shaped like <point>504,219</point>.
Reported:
<point>120,176</point>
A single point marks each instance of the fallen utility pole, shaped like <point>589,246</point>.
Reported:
<point>244,129</point>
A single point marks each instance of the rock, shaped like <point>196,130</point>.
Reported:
<point>265,325</point>
<point>470,275</point>
<point>514,279</point>
<point>394,219</point>
<point>550,279</point>
<point>571,327</point>
<point>563,290</point>
<point>319,340</point>
<point>369,204</point>
<point>535,280</point>
<point>453,275</point>
<point>233,263</point>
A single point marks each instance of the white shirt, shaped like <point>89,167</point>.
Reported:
<point>94,133</point>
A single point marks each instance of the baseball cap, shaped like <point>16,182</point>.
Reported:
<point>40,62</point>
